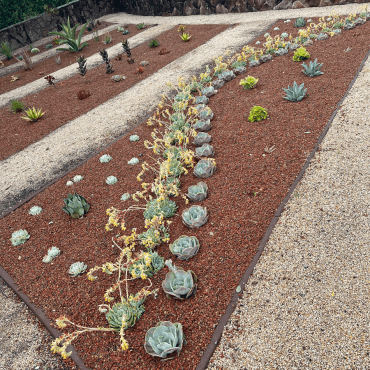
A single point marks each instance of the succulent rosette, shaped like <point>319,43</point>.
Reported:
<point>195,216</point>
<point>204,168</point>
<point>185,247</point>
<point>198,192</point>
<point>164,338</point>
<point>179,283</point>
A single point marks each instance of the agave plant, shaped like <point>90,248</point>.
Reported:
<point>185,247</point>
<point>76,205</point>
<point>19,237</point>
<point>179,283</point>
<point>205,150</point>
<point>124,313</point>
<point>313,69</point>
<point>300,22</point>
<point>68,37</point>
<point>198,192</point>
<point>158,207</point>
<point>77,268</point>
<point>202,138</point>
<point>163,339</point>
<point>195,216</point>
<point>33,114</point>
<point>204,168</point>
<point>295,93</point>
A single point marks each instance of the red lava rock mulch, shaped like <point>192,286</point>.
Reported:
<point>61,104</point>
<point>64,55</point>
<point>237,218</point>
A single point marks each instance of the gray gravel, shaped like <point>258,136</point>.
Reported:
<point>307,305</point>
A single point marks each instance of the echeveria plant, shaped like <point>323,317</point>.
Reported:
<point>19,237</point>
<point>195,216</point>
<point>133,161</point>
<point>76,205</point>
<point>105,158</point>
<point>185,247</point>
<point>35,210</point>
<point>52,253</point>
<point>198,192</point>
<point>202,138</point>
<point>111,180</point>
<point>204,168</point>
<point>134,138</point>
<point>77,268</point>
<point>205,150</point>
<point>163,339</point>
<point>77,178</point>
<point>179,283</point>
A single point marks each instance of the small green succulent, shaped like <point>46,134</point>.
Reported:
<point>147,265</point>
<point>195,216</point>
<point>77,178</point>
<point>295,93</point>
<point>134,138</point>
<point>35,210</point>
<point>35,50</point>
<point>6,50</point>
<point>111,180</point>
<point>49,46</point>
<point>52,253</point>
<point>76,205</point>
<point>300,22</point>
<point>19,237</point>
<point>77,268</point>
<point>125,197</point>
<point>179,283</point>
<point>204,168</point>
<point>257,114</point>
<point>198,192</point>
<point>163,339</point>
<point>313,69</point>
<point>158,207</point>
<point>206,114</point>
<point>185,247</point>
<point>301,54</point>
<point>153,43</point>
<point>16,106</point>
<point>208,91</point>
<point>124,312</point>
<point>133,161</point>
<point>140,26</point>
<point>226,75</point>
<point>33,114</point>
<point>338,25</point>
<point>105,158</point>
<point>249,82</point>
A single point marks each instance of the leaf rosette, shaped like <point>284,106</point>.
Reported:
<point>185,247</point>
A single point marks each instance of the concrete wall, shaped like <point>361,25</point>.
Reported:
<point>31,30</point>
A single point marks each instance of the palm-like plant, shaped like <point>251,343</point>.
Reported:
<point>68,36</point>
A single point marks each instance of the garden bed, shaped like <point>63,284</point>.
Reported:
<point>19,133</point>
<point>49,66</point>
<point>63,55</point>
<point>244,193</point>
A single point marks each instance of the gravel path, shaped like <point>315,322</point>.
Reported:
<point>306,305</point>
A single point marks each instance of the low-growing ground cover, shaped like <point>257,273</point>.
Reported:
<point>256,164</point>
<point>64,55</point>
<point>18,133</point>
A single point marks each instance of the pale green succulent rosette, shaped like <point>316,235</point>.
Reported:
<point>163,339</point>
<point>195,216</point>
<point>198,192</point>
<point>131,310</point>
<point>185,247</point>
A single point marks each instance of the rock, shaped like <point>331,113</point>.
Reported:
<point>144,63</point>
<point>285,4</point>
<point>268,5</point>
<point>220,9</point>
<point>299,4</point>
<point>175,12</point>
<point>117,78</point>
<point>203,10</point>
<point>188,8</point>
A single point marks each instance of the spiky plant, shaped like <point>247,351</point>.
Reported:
<point>6,50</point>
<point>108,67</point>
<point>81,65</point>
<point>33,114</point>
<point>313,69</point>
<point>16,106</point>
<point>127,50</point>
<point>295,93</point>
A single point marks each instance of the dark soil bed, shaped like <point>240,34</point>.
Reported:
<point>244,193</point>
<point>18,133</point>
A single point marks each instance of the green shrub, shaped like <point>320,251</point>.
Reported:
<point>257,114</point>
<point>6,50</point>
<point>153,43</point>
<point>16,106</point>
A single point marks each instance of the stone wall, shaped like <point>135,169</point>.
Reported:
<point>27,32</point>
<point>204,7</point>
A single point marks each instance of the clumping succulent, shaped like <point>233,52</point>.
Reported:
<point>276,29</point>
<point>195,216</point>
<point>201,100</point>
<point>238,64</point>
<point>77,178</point>
<point>158,207</point>
<point>300,22</point>
<point>168,184</point>
<point>283,35</point>
<point>77,268</point>
<point>249,82</point>
<point>133,161</point>
<point>19,237</point>
<point>69,183</point>
<point>52,253</point>
<point>257,114</point>
<point>118,78</point>
<point>208,91</point>
<point>198,192</point>
<point>111,180</point>
<point>313,69</point>
<point>105,158</point>
<point>202,138</point>
<point>204,168</point>
<point>35,210</point>
<point>295,93</point>
<point>134,138</point>
<point>202,125</point>
<point>205,150</point>
<point>281,52</point>
<point>179,283</point>
<point>147,264</point>
<point>301,54</point>
<point>76,205</point>
<point>185,247</point>
<point>163,339</point>
<point>125,197</point>
<point>124,313</point>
